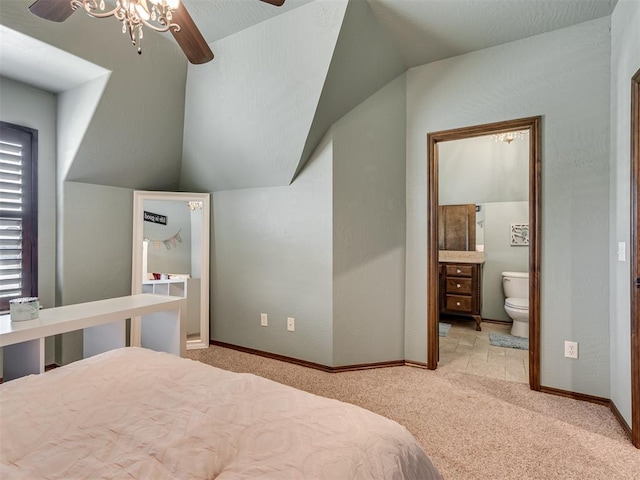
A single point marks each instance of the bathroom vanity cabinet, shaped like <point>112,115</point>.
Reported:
<point>460,289</point>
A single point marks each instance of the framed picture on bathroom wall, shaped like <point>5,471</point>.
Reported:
<point>519,234</point>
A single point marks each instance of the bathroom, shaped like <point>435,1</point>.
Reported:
<point>490,173</point>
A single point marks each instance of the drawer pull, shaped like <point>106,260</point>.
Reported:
<point>458,270</point>
<point>458,304</point>
<point>458,285</point>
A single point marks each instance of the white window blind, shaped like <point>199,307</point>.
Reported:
<point>17,214</point>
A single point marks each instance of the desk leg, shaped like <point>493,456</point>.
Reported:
<point>23,359</point>
<point>165,331</point>
<point>102,338</point>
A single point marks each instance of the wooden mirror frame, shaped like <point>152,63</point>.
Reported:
<point>139,198</point>
<point>532,124</point>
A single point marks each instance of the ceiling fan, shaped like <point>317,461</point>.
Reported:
<point>159,15</point>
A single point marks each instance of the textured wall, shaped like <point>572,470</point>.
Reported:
<point>500,256</point>
<point>480,170</point>
<point>563,76</point>
<point>369,229</point>
<point>625,62</point>
<point>271,253</point>
<point>95,257</point>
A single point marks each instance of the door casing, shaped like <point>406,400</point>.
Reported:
<point>533,125</point>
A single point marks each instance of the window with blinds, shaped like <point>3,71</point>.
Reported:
<point>18,213</point>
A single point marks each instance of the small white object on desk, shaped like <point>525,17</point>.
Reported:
<point>22,309</point>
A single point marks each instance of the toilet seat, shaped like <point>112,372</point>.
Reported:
<point>517,303</point>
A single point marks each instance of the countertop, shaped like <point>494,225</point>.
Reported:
<point>460,256</point>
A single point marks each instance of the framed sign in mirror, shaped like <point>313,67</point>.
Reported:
<point>170,256</point>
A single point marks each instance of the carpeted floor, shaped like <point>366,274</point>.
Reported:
<point>472,427</point>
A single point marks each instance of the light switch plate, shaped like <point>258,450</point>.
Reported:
<point>622,251</point>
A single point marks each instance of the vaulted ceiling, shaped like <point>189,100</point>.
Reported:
<point>280,79</point>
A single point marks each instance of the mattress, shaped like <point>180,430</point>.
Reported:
<point>137,413</point>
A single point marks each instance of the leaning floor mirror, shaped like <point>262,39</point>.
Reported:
<point>171,256</point>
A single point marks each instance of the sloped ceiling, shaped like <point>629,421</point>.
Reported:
<point>125,128</point>
<point>425,31</point>
<point>79,84</point>
<point>248,114</point>
<point>254,117</point>
<point>363,62</point>
<point>281,77</point>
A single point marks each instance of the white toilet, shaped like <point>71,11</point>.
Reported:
<point>516,291</point>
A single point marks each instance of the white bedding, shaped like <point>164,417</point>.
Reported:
<point>135,413</point>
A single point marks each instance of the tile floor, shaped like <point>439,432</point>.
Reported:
<point>466,350</point>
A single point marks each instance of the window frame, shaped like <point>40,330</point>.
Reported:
<point>28,138</point>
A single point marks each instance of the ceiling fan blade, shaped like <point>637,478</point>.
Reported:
<point>277,3</point>
<point>54,10</point>
<point>189,37</point>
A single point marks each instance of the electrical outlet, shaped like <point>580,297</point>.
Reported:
<point>291,324</point>
<point>264,320</point>
<point>570,349</point>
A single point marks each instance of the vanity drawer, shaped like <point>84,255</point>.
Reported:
<point>459,270</point>
<point>462,286</point>
<point>458,303</point>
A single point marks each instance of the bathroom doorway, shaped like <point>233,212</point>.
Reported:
<point>531,127</point>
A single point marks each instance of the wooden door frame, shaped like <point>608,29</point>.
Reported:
<point>635,259</point>
<point>533,125</point>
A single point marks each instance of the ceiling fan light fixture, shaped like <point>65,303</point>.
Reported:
<point>172,4</point>
<point>509,137</point>
<point>134,14</point>
<point>159,15</point>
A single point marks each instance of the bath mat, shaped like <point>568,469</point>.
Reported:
<point>443,329</point>
<point>509,341</point>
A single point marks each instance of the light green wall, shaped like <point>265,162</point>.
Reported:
<point>95,253</point>
<point>271,253</point>
<point>327,250</point>
<point>499,255</point>
<point>369,229</point>
<point>480,170</point>
<point>563,76</point>
<point>625,62</point>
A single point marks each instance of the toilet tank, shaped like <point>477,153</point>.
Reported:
<point>515,284</point>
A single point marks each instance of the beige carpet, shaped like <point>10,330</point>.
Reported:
<point>472,427</point>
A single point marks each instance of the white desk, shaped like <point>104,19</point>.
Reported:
<point>103,325</point>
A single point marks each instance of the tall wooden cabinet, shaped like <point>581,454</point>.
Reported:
<point>457,227</point>
<point>461,290</point>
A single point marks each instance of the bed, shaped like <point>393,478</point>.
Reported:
<point>138,413</point>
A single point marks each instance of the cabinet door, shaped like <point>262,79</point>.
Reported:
<point>457,227</point>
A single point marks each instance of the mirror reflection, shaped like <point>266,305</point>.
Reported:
<point>171,252</point>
